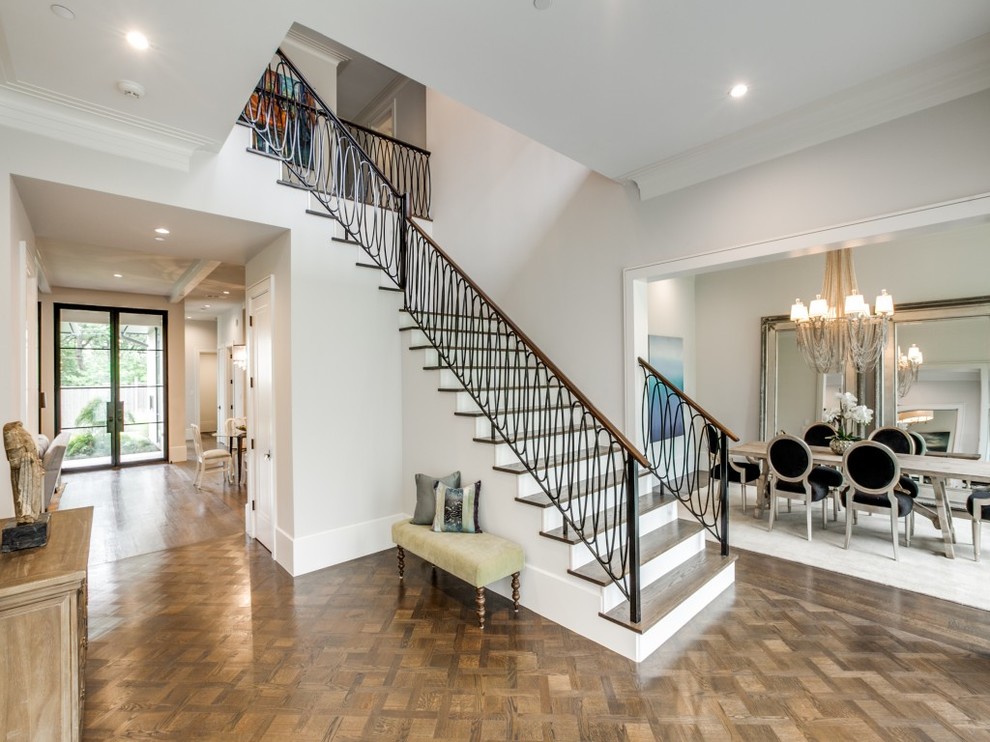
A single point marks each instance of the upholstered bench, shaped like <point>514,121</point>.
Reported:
<point>477,558</point>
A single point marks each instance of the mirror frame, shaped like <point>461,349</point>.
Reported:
<point>883,381</point>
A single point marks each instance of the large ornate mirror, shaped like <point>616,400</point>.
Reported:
<point>946,397</point>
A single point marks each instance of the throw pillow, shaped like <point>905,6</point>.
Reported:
<point>457,508</point>
<point>425,497</point>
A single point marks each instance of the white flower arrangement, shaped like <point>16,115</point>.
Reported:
<point>846,415</point>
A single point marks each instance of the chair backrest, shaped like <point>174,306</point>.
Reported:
<point>197,442</point>
<point>896,439</point>
<point>920,444</point>
<point>818,434</point>
<point>231,423</point>
<point>789,458</point>
<point>871,467</point>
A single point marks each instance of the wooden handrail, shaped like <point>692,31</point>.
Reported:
<point>571,386</point>
<point>707,415</point>
<point>379,135</point>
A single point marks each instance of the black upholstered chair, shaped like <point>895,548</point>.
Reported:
<point>818,434</point>
<point>978,507</point>
<point>739,472</point>
<point>876,486</point>
<point>793,475</point>
<point>896,439</point>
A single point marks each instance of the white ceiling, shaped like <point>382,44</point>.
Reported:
<point>635,89</point>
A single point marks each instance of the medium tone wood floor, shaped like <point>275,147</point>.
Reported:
<point>214,641</point>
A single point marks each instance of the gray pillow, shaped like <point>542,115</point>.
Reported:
<point>426,501</point>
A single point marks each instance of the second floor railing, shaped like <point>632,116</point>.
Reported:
<point>406,166</point>
<point>688,452</point>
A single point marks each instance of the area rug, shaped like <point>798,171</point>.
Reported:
<point>922,567</point>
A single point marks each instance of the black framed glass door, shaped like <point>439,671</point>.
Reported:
<point>111,385</point>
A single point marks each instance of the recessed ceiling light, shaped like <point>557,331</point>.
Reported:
<point>542,4</point>
<point>161,230</point>
<point>118,275</point>
<point>138,40</point>
<point>206,306</point>
<point>159,239</point>
<point>739,90</point>
<point>188,316</point>
<point>226,292</point>
<point>62,12</point>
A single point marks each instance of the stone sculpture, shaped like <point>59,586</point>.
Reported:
<point>27,477</point>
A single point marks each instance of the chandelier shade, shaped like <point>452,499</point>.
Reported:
<point>837,327</point>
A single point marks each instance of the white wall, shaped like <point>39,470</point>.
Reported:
<point>549,239</point>
<point>200,335</point>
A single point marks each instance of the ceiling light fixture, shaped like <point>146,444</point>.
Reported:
<point>226,293</point>
<point>159,239</point>
<point>118,275</point>
<point>739,90</point>
<point>542,4</point>
<point>206,306</point>
<point>162,230</point>
<point>138,40</point>
<point>831,330</point>
<point>62,12</point>
<point>908,366</point>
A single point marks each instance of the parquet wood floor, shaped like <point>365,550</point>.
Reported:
<point>211,640</point>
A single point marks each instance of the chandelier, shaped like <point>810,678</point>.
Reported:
<point>837,326</point>
<point>908,365</point>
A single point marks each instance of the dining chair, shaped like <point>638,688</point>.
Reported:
<point>793,475</point>
<point>896,439</point>
<point>739,472</point>
<point>920,444</point>
<point>212,458</point>
<point>876,486</point>
<point>818,434</point>
<point>231,427</point>
<point>979,512</point>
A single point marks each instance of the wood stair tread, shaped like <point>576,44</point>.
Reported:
<point>344,240</point>
<point>668,592</point>
<point>325,214</point>
<point>528,436</point>
<point>293,184</point>
<point>647,503</point>
<point>651,545</point>
<point>513,411</point>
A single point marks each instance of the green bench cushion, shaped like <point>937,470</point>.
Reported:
<point>477,558</point>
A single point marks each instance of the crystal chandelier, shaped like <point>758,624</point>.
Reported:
<point>908,365</point>
<point>837,326</point>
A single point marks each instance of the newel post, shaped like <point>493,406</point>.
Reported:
<point>632,536</point>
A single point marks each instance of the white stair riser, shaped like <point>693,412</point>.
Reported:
<point>457,337</point>
<point>581,555</point>
<point>656,568</point>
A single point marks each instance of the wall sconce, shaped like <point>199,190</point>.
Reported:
<point>238,355</point>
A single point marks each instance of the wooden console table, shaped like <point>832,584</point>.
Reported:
<point>43,632</point>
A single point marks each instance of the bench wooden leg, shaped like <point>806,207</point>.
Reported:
<point>515,591</point>
<point>401,555</point>
<point>480,600</point>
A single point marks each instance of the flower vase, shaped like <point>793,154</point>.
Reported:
<point>839,445</point>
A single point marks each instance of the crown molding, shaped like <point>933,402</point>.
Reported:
<point>945,77</point>
<point>40,111</point>
<point>316,45</point>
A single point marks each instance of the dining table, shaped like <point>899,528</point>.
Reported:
<point>234,447</point>
<point>936,469</point>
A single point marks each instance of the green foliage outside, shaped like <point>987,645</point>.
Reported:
<point>85,362</point>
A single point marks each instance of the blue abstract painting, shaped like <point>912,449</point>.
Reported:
<point>666,355</point>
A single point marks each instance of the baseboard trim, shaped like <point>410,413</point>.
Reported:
<point>310,553</point>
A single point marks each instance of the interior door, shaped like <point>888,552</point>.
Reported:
<point>261,418</point>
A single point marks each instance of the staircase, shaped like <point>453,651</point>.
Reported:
<point>614,536</point>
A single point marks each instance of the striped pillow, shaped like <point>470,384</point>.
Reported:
<point>457,508</point>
